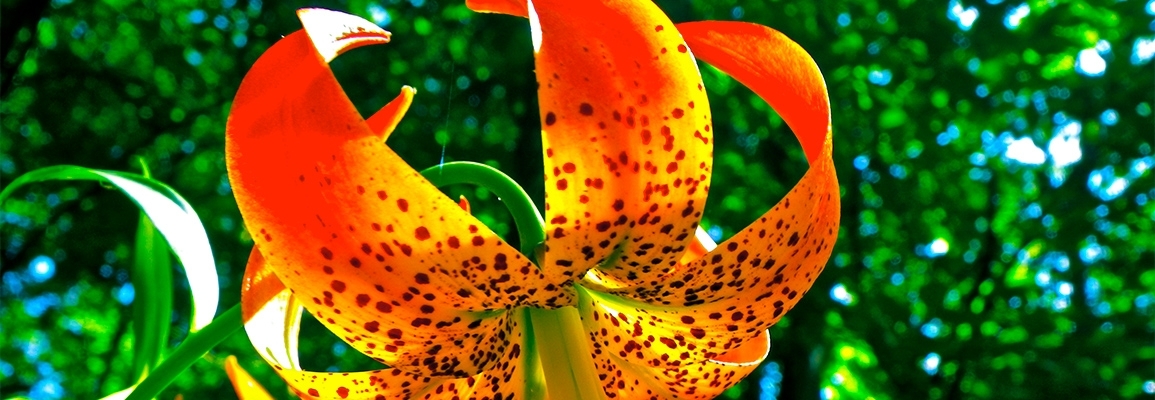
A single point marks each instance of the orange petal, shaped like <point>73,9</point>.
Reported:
<point>698,247</point>
<point>511,7</point>
<point>272,318</point>
<point>701,245</point>
<point>733,293</point>
<point>385,120</point>
<point>517,373</point>
<point>247,388</point>
<point>697,380</point>
<point>626,135</point>
<point>272,323</point>
<point>360,237</point>
<point>790,244</point>
<point>464,203</point>
<point>774,67</point>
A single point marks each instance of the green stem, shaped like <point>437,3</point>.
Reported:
<point>192,349</point>
<point>535,385</point>
<point>529,222</point>
<point>566,358</point>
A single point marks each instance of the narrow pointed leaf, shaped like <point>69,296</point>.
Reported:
<point>152,307</point>
<point>173,217</point>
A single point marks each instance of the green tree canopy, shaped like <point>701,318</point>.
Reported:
<point>995,160</point>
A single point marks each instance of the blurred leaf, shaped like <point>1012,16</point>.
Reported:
<point>173,216</point>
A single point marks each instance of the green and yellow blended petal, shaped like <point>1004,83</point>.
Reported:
<point>626,137</point>
<point>368,245</point>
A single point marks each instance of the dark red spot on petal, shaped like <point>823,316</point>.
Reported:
<point>586,109</point>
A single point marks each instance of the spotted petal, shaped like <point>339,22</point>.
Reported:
<point>272,316</point>
<point>736,291</point>
<point>626,136</point>
<point>369,246</point>
<point>622,379</point>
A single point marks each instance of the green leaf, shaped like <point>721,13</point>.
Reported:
<point>192,349</point>
<point>152,310</point>
<point>173,217</point>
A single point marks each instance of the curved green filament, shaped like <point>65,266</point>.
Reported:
<point>529,222</point>
<point>193,348</point>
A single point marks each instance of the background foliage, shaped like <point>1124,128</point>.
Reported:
<point>995,159</point>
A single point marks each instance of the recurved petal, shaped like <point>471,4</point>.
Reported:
<point>363,240</point>
<point>707,379</point>
<point>792,241</point>
<point>511,7</point>
<point>743,286</point>
<point>730,295</point>
<point>272,318</point>
<point>700,246</point>
<point>246,387</point>
<point>773,66</point>
<point>516,376</point>
<point>626,135</point>
<point>385,120</point>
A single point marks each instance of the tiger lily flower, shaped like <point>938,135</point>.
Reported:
<point>626,298</point>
